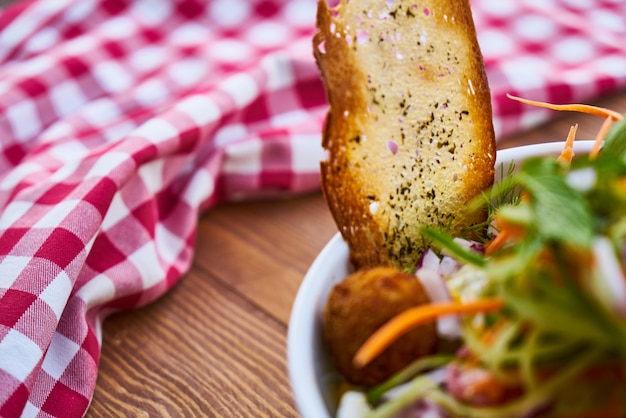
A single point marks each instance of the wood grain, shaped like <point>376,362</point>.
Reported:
<point>202,352</point>
<point>264,243</point>
<point>215,345</point>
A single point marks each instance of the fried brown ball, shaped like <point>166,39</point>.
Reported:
<point>361,304</point>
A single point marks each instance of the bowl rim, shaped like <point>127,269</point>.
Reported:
<point>301,339</point>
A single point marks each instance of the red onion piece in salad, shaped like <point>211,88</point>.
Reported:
<point>471,245</point>
<point>430,275</point>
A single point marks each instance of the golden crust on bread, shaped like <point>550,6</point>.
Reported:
<point>409,132</point>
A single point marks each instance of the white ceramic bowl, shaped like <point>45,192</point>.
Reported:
<point>313,379</point>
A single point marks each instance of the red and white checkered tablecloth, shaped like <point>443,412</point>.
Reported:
<point>560,51</point>
<point>120,121</point>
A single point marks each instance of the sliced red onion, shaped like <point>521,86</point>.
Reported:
<point>470,245</point>
<point>429,275</point>
<point>448,266</point>
<point>420,261</point>
<point>429,260</point>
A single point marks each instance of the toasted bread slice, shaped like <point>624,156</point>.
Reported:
<point>409,131</point>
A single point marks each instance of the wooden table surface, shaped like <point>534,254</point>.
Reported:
<point>215,345</point>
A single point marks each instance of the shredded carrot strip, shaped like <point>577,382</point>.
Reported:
<point>568,151</point>
<point>414,317</point>
<point>497,242</point>
<point>583,108</point>
<point>525,196</point>
<point>604,129</point>
<point>506,231</point>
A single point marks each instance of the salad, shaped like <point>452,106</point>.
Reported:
<point>537,304</point>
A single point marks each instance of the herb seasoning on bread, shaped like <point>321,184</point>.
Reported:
<point>409,130</point>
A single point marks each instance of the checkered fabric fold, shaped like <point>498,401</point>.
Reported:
<point>121,121</point>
